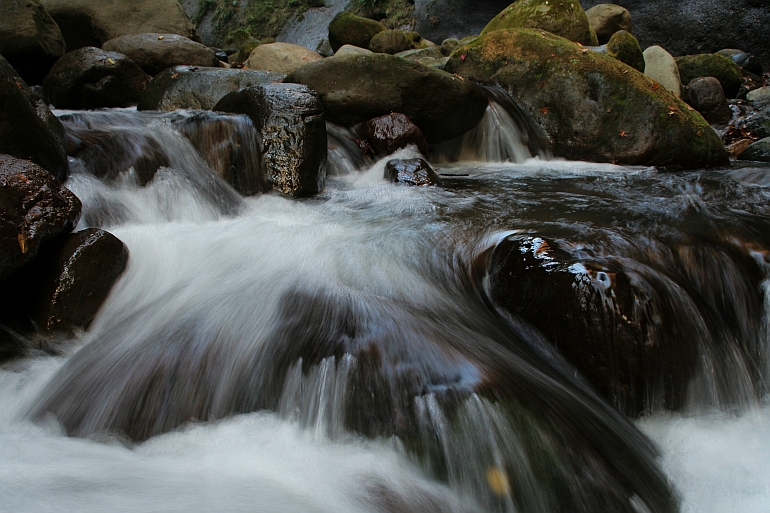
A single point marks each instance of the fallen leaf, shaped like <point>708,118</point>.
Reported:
<point>462,57</point>
<point>175,75</point>
<point>110,60</point>
<point>160,38</point>
<point>656,86</point>
<point>544,110</point>
<point>622,133</point>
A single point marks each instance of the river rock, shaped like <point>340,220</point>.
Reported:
<point>705,94</point>
<point>411,172</point>
<point>575,304</point>
<point>625,48</point>
<point>352,50</point>
<point>280,57</point>
<point>711,65</point>
<point>661,66</point>
<point>589,105</point>
<point>759,95</point>
<point>90,78</point>
<point>93,22</point>
<point>292,126</point>
<point>757,122</point>
<point>564,18</point>
<point>348,29</point>
<point>395,41</point>
<point>386,134</point>
<point>155,52</point>
<point>744,60</point>
<point>355,88</point>
<point>449,45</point>
<point>34,210</point>
<point>607,19</point>
<point>758,151</point>
<point>29,38</point>
<point>430,57</point>
<point>28,129</point>
<point>79,278</point>
<point>190,87</point>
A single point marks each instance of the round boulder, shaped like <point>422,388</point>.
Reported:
<point>711,65</point>
<point>758,151</point>
<point>661,66</point>
<point>355,88</point>
<point>607,19</point>
<point>90,78</point>
<point>386,134</point>
<point>705,94</point>
<point>411,172</point>
<point>280,57</point>
<point>155,52</point>
<point>348,29</point>
<point>565,18</point>
<point>625,48</point>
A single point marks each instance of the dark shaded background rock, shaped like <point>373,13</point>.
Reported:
<point>758,151</point>
<point>711,65</point>
<point>189,87</point>
<point>155,52</point>
<point>348,29</point>
<point>29,38</point>
<point>705,94</point>
<point>607,19</point>
<point>28,129</point>
<point>686,27</point>
<point>386,134</point>
<point>355,88</point>
<point>411,172</point>
<point>93,22</point>
<point>744,60</point>
<point>90,78</point>
<point>437,20</point>
<point>290,119</point>
<point>34,210</point>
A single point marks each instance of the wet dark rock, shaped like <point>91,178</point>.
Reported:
<point>757,122</point>
<point>90,78</point>
<point>28,129</point>
<point>189,87</point>
<point>29,38</point>
<point>35,209</point>
<point>711,65</point>
<point>590,106</point>
<point>705,94</point>
<point>758,152</point>
<point>355,88</point>
<point>564,18</point>
<point>625,48</point>
<point>386,134</point>
<point>411,172</point>
<point>348,29</point>
<point>291,123</point>
<point>93,22</point>
<point>622,336</point>
<point>154,52</point>
<point>607,19</point>
<point>441,19</point>
<point>746,61</point>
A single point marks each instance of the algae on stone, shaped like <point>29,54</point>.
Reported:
<point>625,48</point>
<point>711,65</point>
<point>348,29</point>
<point>565,18</point>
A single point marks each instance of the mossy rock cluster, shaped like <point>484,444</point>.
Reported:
<point>711,65</point>
<point>590,106</point>
<point>625,48</point>
<point>565,18</point>
<point>348,29</point>
<point>395,41</point>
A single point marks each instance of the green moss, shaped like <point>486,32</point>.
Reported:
<point>625,48</point>
<point>348,29</point>
<point>711,65</point>
<point>565,18</point>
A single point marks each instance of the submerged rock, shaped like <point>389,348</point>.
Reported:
<point>291,123</point>
<point>28,129</point>
<point>190,87</point>
<point>661,66</point>
<point>154,52</point>
<point>280,57</point>
<point>34,210</point>
<point>706,96</point>
<point>591,106</point>
<point>564,18</point>
<point>90,78</point>
<point>711,65</point>
<point>29,38</point>
<point>348,29</point>
<point>625,48</point>
<point>355,88</point>
<point>411,172</point>
<point>607,19</point>
<point>386,134</point>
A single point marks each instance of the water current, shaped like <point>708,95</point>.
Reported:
<point>342,353</point>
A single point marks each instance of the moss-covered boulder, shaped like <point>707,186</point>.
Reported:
<point>711,65</point>
<point>355,88</point>
<point>565,18</point>
<point>280,57</point>
<point>395,41</point>
<point>348,29</point>
<point>607,19</point>
<point>591,106</point>
<point>625,48</point>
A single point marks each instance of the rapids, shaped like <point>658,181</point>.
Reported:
<point>342,353</point>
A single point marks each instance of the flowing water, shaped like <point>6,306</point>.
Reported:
<point>343,353</point>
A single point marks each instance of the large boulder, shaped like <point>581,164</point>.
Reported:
<point>35,209</point>
<point>705,94</point>
<point>94,22</point>
<point>280,57</point>
<point>292,127</point>
<point>711,65</point>
<point>348,29</point>
<point>607,19</point>
<point>386,134</point>
<point>28,129</point>
<point>688,27</point>
<point>355,88</point>
<point>155,52</point>
<point>564,18</point>
<point>90,78</point>
<point>438,20</point>
<point>591,106</point>
<point>189,87</point>
<point>29,38</point>
<point>625,48</point>
<point>395,41</point>
<point>661,66</point>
